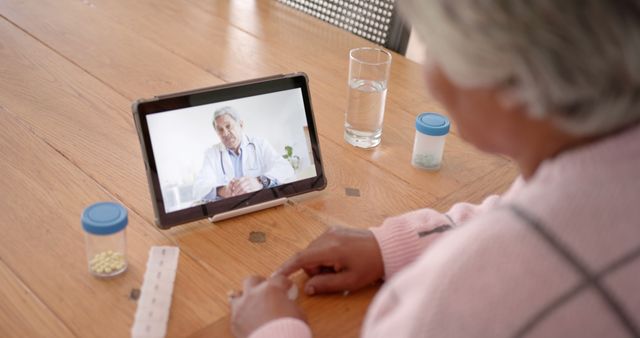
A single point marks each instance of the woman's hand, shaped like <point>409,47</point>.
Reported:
<point>341,259</point>
<point>261,301</point>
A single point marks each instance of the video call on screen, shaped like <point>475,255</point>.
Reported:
<point>189,153</point>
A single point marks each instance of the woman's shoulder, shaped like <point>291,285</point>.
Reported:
<point>594,211</point>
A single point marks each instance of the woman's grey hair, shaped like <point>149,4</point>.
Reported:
<point>225,111</point>
<point>574,61</point>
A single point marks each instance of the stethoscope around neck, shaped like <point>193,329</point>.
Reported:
<point>255,158</point>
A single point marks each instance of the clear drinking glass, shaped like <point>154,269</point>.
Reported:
<point>367,92</point>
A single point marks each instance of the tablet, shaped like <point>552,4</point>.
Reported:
<point>224,151</point>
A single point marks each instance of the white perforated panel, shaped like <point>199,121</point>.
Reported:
<point>369,19</point>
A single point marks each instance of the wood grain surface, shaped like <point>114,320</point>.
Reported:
<point>69,71</point>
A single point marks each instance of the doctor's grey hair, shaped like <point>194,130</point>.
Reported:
<point>576,62</point>
<point>226,111</point>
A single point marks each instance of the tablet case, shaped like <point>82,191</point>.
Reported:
<point>164,220</point>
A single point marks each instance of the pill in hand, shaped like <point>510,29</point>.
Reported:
<point>293,292</point>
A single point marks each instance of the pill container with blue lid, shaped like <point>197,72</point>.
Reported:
<point>104,224</point>
<point>428,146</point>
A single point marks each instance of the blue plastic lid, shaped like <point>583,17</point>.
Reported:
<point>432,124</point>
<point>104,218</point>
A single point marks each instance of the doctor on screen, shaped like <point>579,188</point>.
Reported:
<point>239,164</point>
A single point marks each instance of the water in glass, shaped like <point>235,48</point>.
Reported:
<point>365,111</point>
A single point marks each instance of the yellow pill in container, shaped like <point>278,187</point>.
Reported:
<point>104,224</point>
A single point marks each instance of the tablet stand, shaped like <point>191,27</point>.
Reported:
<point>242,211</point>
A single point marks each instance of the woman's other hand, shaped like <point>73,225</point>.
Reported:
<point>261,301</point>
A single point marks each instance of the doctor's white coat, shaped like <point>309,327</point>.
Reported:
<point>258,158</point>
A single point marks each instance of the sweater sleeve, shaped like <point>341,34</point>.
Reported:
<point>403,238</point>
<point>283,328</point>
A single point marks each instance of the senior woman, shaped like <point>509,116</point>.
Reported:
<point>555,85</point>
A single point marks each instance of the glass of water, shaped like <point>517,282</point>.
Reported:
<point>368,77</point>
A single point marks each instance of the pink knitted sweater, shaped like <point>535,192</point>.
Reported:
<point>555,256</point>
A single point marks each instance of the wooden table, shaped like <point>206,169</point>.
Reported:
<point>69,70</point>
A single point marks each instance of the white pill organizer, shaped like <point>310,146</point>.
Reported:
<point>152,313</point>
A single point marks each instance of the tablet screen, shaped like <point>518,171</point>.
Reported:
<point>227,148</point>
<point>224,149</point>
